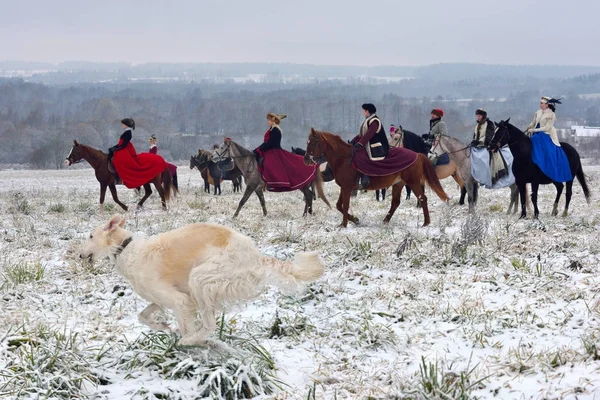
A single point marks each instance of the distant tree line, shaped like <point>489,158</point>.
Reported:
<point>38,122</point>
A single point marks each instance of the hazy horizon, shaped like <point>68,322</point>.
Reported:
<point>380,33</point>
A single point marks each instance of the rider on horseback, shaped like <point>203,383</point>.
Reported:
<point>134,169</point>
<point>372,139</point>
<point>128,125</point>
<point>281,170</point>
<point>496,167</point>
<point>437,127</point>
<point>547,152</point>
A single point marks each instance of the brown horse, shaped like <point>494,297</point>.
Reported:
<point>163,182</point>
<point>339,153</point>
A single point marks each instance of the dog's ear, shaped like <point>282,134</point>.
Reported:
<point>114,223</point>
<point>122,223</point>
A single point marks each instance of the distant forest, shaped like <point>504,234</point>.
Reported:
<point>194,106</point>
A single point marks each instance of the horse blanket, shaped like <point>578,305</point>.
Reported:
<point>482,167</point>
<point>136,170</point>
<point>283,171</point>
<point>397,159</point>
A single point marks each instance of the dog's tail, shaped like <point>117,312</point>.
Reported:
<point>306,267</point>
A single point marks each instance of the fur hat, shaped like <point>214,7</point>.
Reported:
<point>482,112</point>
<point>128,122</point>
<point>275,117</point>
<point>438,111</point>
<point>370,108</point>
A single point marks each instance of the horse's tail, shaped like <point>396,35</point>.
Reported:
<point>581,178</point>
<point>319,186</point>
<point>169,187</point>
<point>431,177</point>
<point>175,182</point>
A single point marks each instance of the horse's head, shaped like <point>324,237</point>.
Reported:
<point>223,152</point>
<point>75,155</point>
<point>501,134</point>
<point>314,148</point>
<point>192,162</point>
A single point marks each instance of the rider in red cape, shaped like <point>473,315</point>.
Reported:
<point>154,150</point>
<point>372,153</point>
<point>281,170</point>
<point>134,169</point>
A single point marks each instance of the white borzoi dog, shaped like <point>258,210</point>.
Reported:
<point>198,269</point>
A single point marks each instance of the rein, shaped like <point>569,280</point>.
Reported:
<point>439,143</point>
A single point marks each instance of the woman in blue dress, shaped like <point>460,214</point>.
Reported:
<point>547,153</point>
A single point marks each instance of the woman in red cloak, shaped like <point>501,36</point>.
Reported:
<point>281,170</point>
<point>134,169</point>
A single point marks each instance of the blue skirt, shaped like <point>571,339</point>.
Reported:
<point>551,158</point>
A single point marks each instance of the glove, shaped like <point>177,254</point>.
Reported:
<point>475,143</point>
<point>111,151</point>
<point>351,142</point>
<point>425,136</point>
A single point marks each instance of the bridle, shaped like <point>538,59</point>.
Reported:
<point>438,143</point>
<point>70,158</point>
<point>321,159</point>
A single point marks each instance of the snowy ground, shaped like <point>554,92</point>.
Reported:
<point>402,311</point>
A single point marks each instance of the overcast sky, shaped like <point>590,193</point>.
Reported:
<point>349,32</point>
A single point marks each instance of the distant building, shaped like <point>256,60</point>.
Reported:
<point>585,131</point>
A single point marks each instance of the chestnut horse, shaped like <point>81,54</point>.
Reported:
<point>163,182</point>
<point>338,154</point>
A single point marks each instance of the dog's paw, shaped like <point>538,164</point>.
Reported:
<point>191,341</point>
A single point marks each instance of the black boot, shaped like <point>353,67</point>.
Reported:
<point>364,182</point>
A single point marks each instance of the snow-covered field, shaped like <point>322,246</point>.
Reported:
<point>485,306</point>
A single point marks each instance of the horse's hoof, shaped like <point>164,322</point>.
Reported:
<point>565,213</point>
<point>425,224</point>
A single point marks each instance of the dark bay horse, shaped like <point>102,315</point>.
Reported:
<point>338,154</point>
<point>163,182</point>
<point>225,170</point>
<point>246,162</point>
<point>525,171</point>
<point>203,173</point>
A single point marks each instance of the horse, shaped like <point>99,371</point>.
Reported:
<point>203,173</point>
<point>163,182</point>
<point>220,171</point>
<point>339,154</point>
<point>246,162</point>
<point>525,171</point>
<point>414,142</point>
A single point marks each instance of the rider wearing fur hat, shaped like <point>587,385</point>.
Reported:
<point>436,126</point>
<point>484,131</point>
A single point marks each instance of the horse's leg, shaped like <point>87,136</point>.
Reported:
<point>534,197</point>
<point>514,197</point>
<point>161,191</point>
<point>523,195</point>
<point>113,192</point>
<point>418,201</point>
<point>463,194</point>
<point>396,194</point>
<point>383,191</point>
<point>102,195</point>
<point>308,200</point>
<point>245,197</point>
<point>423,200</point>
<point>559,190</point>
<point>377,195</point>
<point>472,188</point>
<point>345,196</point>
<point>568,199</point>
<point>408,192</point>
<point>147,193</point>
<point>261,197</point>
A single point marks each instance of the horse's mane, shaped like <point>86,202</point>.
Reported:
<point>332,137</point>
<point>414,142</point>
<point>244,151</point>
<point>93,150</point>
